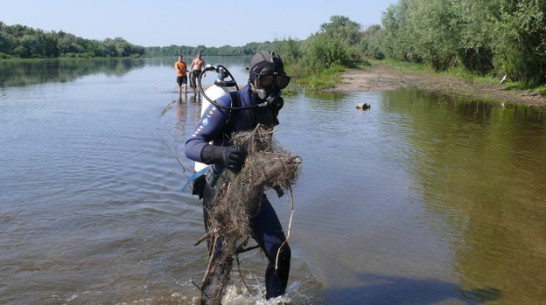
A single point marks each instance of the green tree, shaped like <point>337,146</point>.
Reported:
<point>6,40</point>
<point>371,41</point>
<point>434,28</point>
<point>289,48</point>
<point>48,45</point>
<point>68,43</point>
<point>474,20</point>
<point>6,43</point>
<point>29,46</point>
<point>25,42</point>
<point>398,40</point>
<point>321,51</point>
<point>342,29</point>
<point>504,36</point>
<point>520,47</point>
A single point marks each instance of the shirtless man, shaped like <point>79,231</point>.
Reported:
<point>197,65</point>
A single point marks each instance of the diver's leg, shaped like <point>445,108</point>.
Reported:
<point>268,232</point>
<point>208,196</point>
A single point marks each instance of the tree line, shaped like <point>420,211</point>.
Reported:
<point>227,50</point>
<point>500,37</point>
<point>487,37</point>
<point>25,42</point>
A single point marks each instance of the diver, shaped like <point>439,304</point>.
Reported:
<point>256,103</point>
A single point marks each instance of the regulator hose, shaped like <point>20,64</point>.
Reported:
<point>223,72</point>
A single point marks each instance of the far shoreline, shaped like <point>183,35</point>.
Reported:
<point>380,76</point>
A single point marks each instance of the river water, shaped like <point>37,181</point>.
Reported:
<point>423,199</point>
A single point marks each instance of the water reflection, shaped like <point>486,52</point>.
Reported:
<point>29,72</point>
<point>424,199</point>
<point>24,73</point>
<point>378,290</point>
<point>482,182</point>
<point>328,96</point>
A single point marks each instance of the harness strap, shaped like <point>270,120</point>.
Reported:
<point>230,124</point>
<point>235,102</point>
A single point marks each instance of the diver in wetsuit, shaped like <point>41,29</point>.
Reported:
<point>266,80</point>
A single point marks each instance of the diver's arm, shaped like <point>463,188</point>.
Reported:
<point>210,125</point>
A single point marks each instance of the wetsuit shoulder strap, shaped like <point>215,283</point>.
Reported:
<point>236,103</point>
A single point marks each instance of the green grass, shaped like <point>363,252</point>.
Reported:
<point>325,79</point>
<point>289,92</point>
<point>541,90</point>
<point>328,78</point>
<point>403,66</point>
<point>526,87</point>
<point>470,77</point>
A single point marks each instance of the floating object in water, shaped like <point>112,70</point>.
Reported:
<point>363,106</point>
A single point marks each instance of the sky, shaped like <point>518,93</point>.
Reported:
<point>192,23</point>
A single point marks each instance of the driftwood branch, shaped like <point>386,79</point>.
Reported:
<point>289,228</point>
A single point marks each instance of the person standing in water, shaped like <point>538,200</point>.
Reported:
<point>197,66</point>
<point>181,78</point>
<point>210,143</point>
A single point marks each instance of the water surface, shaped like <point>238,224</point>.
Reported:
<point>423,199</point>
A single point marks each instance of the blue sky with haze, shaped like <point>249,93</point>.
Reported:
<point>192,23</point>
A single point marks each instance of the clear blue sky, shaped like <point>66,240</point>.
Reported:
<point>179,22</point>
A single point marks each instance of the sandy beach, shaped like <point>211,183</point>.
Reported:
<point>383,77</point>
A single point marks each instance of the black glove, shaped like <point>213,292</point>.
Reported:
<point>231,157</point>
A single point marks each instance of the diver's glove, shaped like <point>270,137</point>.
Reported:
<point>231,157</point>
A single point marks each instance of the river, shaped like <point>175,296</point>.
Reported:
<point>423,199</point>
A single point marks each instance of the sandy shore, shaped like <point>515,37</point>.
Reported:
<point>381,77</point>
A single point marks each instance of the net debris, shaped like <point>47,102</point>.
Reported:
<point>238,197</point>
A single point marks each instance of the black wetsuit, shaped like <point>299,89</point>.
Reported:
<point>266,228</point>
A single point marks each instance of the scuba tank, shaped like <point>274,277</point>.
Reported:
<point>221,87</point>
<point>224,84</point>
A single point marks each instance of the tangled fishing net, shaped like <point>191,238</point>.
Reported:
<point>237,198</point>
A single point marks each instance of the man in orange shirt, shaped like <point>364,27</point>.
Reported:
<point>181,77</point>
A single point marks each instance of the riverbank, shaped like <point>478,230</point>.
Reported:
<point>380,76</point>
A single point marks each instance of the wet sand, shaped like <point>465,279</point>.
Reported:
<point>383,77</point>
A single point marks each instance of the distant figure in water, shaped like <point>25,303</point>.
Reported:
<point>181,78</point>
<point>197,66</point>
